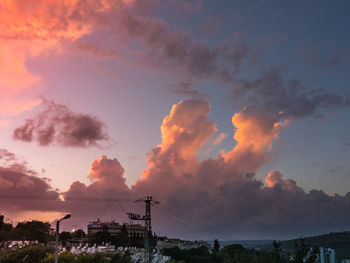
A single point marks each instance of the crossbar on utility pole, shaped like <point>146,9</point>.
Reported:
<point>148,225</point>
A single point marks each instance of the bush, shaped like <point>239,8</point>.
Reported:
<point>67,257</point>
<point>28,254</point>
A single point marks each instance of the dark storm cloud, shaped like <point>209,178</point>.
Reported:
<point>271,94</point>
<point>57,124</point>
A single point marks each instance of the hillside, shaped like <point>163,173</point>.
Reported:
<point>340,241</point>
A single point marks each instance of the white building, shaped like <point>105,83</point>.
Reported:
<point>327,255</point>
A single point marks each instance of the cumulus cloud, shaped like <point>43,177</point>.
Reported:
<point>218,194</point>
<point>108,181</point>
<point>222,193</point>
<point>57,124</point>
<point>274,179</point>
<point>106,197</point>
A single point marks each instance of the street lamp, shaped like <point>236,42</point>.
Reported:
<point>57,232</point>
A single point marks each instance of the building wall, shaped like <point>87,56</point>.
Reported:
<point>114,228</point>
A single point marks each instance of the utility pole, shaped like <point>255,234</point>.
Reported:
<point>148,225</point>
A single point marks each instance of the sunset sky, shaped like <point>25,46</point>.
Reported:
<point>233,114</point>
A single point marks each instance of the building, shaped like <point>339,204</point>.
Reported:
<point>327,255</point>
<point>164,242</point>
<point>113,228</point>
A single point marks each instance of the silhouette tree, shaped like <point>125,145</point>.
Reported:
<point>32,230</point>
<point>301,252</point>
<point>216,245</point>
<point>79,234</point>
<point>64,236</point>
<point>277,251</point>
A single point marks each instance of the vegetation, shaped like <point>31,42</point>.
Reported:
<point>42,254</point>
<point>27,254</point>
<point>229,254</point>
<point>30,230</point>
<point>236,253</point>
<point>67,257</point>
<point>302,250</point>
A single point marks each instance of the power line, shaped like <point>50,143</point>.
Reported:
<point>189,221</point>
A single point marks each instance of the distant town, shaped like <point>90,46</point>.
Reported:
<point>35,241</point>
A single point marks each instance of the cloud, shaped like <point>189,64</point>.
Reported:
<point>214,197</point>
<point>274,179</point>
<point>221,136</point>
<point>23,187</point>
<point>32,29</point>
<point>337,57</point>
<point>271,94</point>
<point>222,194</point>
<point>174,49</point>
<point>108,172</point>
<point>57,124</point>
<point>106,197</point>
<point>211,25</point>
<point>185,6</point>
<point>96,50</point>
<point>28,29</point>
<point>336,169</point>
<point>186,90</point>
<point>107,176</point>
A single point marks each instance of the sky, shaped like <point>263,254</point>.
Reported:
<point>234,115</point>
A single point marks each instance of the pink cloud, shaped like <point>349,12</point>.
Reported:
<point>222,192</point>
<point>57,124</point>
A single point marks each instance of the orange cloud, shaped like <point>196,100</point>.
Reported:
<point>219,138</point>
<point>274,178</point>
<point>255,132</point>
<point>29,28</point>
<point>184,131</point>
<point>108,173</point>
<point>174,164</point>
<point>221,192</point>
